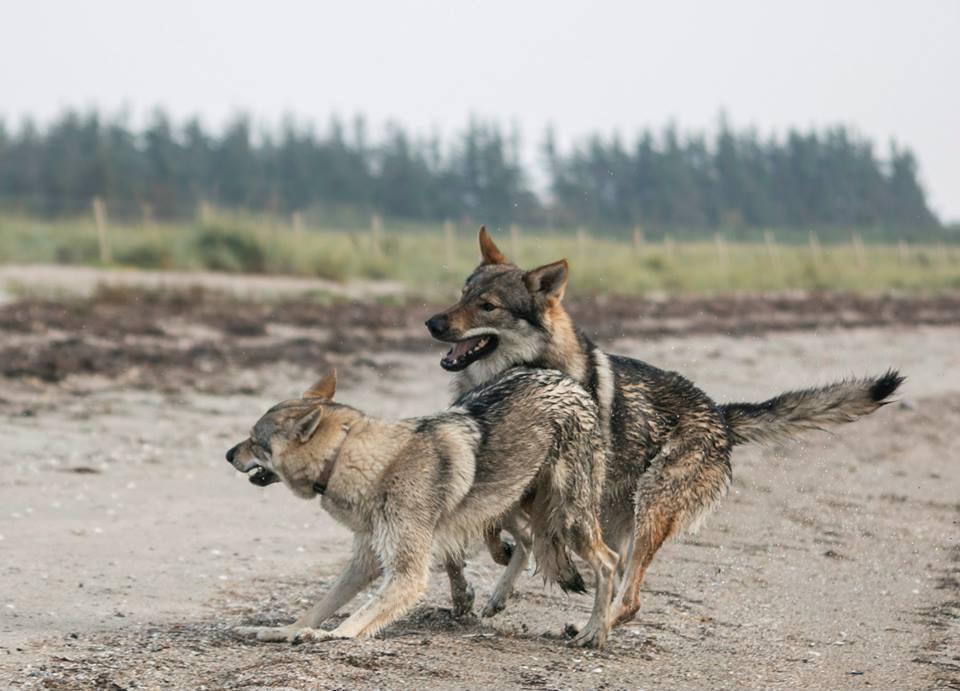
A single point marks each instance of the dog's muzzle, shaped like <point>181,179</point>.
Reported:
<point>437,325</point>
<point>261,477</point>
<point>465,352</point>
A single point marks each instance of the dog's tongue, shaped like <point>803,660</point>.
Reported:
<point>461,348</point>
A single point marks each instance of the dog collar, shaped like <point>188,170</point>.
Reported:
<point>320,485</point>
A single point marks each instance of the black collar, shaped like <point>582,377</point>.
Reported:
<point>320,485</point>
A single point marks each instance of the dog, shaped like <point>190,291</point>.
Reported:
<point>425,486</point>
<point>669,443</point>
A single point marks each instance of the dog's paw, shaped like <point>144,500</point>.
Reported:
<point>590,636</point>
<point>275,634</point>
<point>624,614</point>
<point>309,635</point>
<point>493,608</point>
<point>245,631</point>
<point>463,603</point>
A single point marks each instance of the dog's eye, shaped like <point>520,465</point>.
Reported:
<point>487,306</point>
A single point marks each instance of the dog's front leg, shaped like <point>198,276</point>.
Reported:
<point>406,573</point>
<point>397,595</point>
<point>360,571</point>
<point>461,592</point>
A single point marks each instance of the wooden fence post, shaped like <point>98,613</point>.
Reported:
<point>773,252</point>
<point>815,250</point>
<point>296,221</point>
<point>514,242</point>
<point>582,239</point>
<point>721,249</point>
<point>638,241</point>
<point>376,233</point>
<point>100,217</point>
<point>448,243</point>
<point>146,212</point>
<point>858,250</point>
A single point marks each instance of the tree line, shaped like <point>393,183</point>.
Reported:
<point>736,180</point>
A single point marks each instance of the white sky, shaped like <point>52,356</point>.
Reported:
<point>890,69</point>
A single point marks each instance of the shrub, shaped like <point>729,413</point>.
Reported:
<point>331,266</point>
<point>226,248</point>
<point>146,255</point>
<point>80,250</point>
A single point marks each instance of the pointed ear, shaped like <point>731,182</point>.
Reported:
<point>325,388</point>
<point>490,253</point>
<point>307,425</point>
<point>549,280</point>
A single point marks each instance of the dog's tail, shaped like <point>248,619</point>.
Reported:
<point>554,562</point>
<point>794,412</point>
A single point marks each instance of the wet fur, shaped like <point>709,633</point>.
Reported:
<point>416,489</point>
<point>669,443</point>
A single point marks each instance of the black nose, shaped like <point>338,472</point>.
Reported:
<point>231,453</point>
<point>437,324</point>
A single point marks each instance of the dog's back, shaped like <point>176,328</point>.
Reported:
<point>540,444</point>
<point>528,418</point>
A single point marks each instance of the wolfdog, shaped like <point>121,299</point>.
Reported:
<point>425,486</point>
<point>669,443</point>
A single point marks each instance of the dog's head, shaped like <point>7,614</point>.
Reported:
<point>296,441</point>
<point>504,312</point>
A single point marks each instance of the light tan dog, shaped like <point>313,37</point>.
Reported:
<point>529,441</point>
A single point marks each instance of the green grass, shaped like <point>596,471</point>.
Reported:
<point>422,257</point>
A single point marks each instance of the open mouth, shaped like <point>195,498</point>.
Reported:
<point>468,351</point>
<point>261,477</point>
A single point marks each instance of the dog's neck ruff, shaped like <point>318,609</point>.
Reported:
<point>567,349</point>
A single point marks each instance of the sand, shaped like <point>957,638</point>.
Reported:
<point>129,548</point>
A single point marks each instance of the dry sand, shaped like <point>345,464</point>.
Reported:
<point>129,548</point>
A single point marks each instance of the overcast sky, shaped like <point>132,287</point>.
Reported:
<point>890,69</point>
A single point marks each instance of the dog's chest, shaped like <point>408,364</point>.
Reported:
<point>484,370</point>
<point>344,513</point>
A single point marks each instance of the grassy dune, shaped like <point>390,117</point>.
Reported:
<point>433,261</point>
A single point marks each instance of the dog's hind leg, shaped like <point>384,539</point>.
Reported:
<point>652,531</point>
<point>461,592</point>
<point>500,550</point>
<point>680,487</point>
<point>516,566</point>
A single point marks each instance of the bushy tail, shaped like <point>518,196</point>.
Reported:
<point>794,412</point>
<point>553,561</point>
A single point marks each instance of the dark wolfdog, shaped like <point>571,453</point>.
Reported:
<point>669,443</point>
